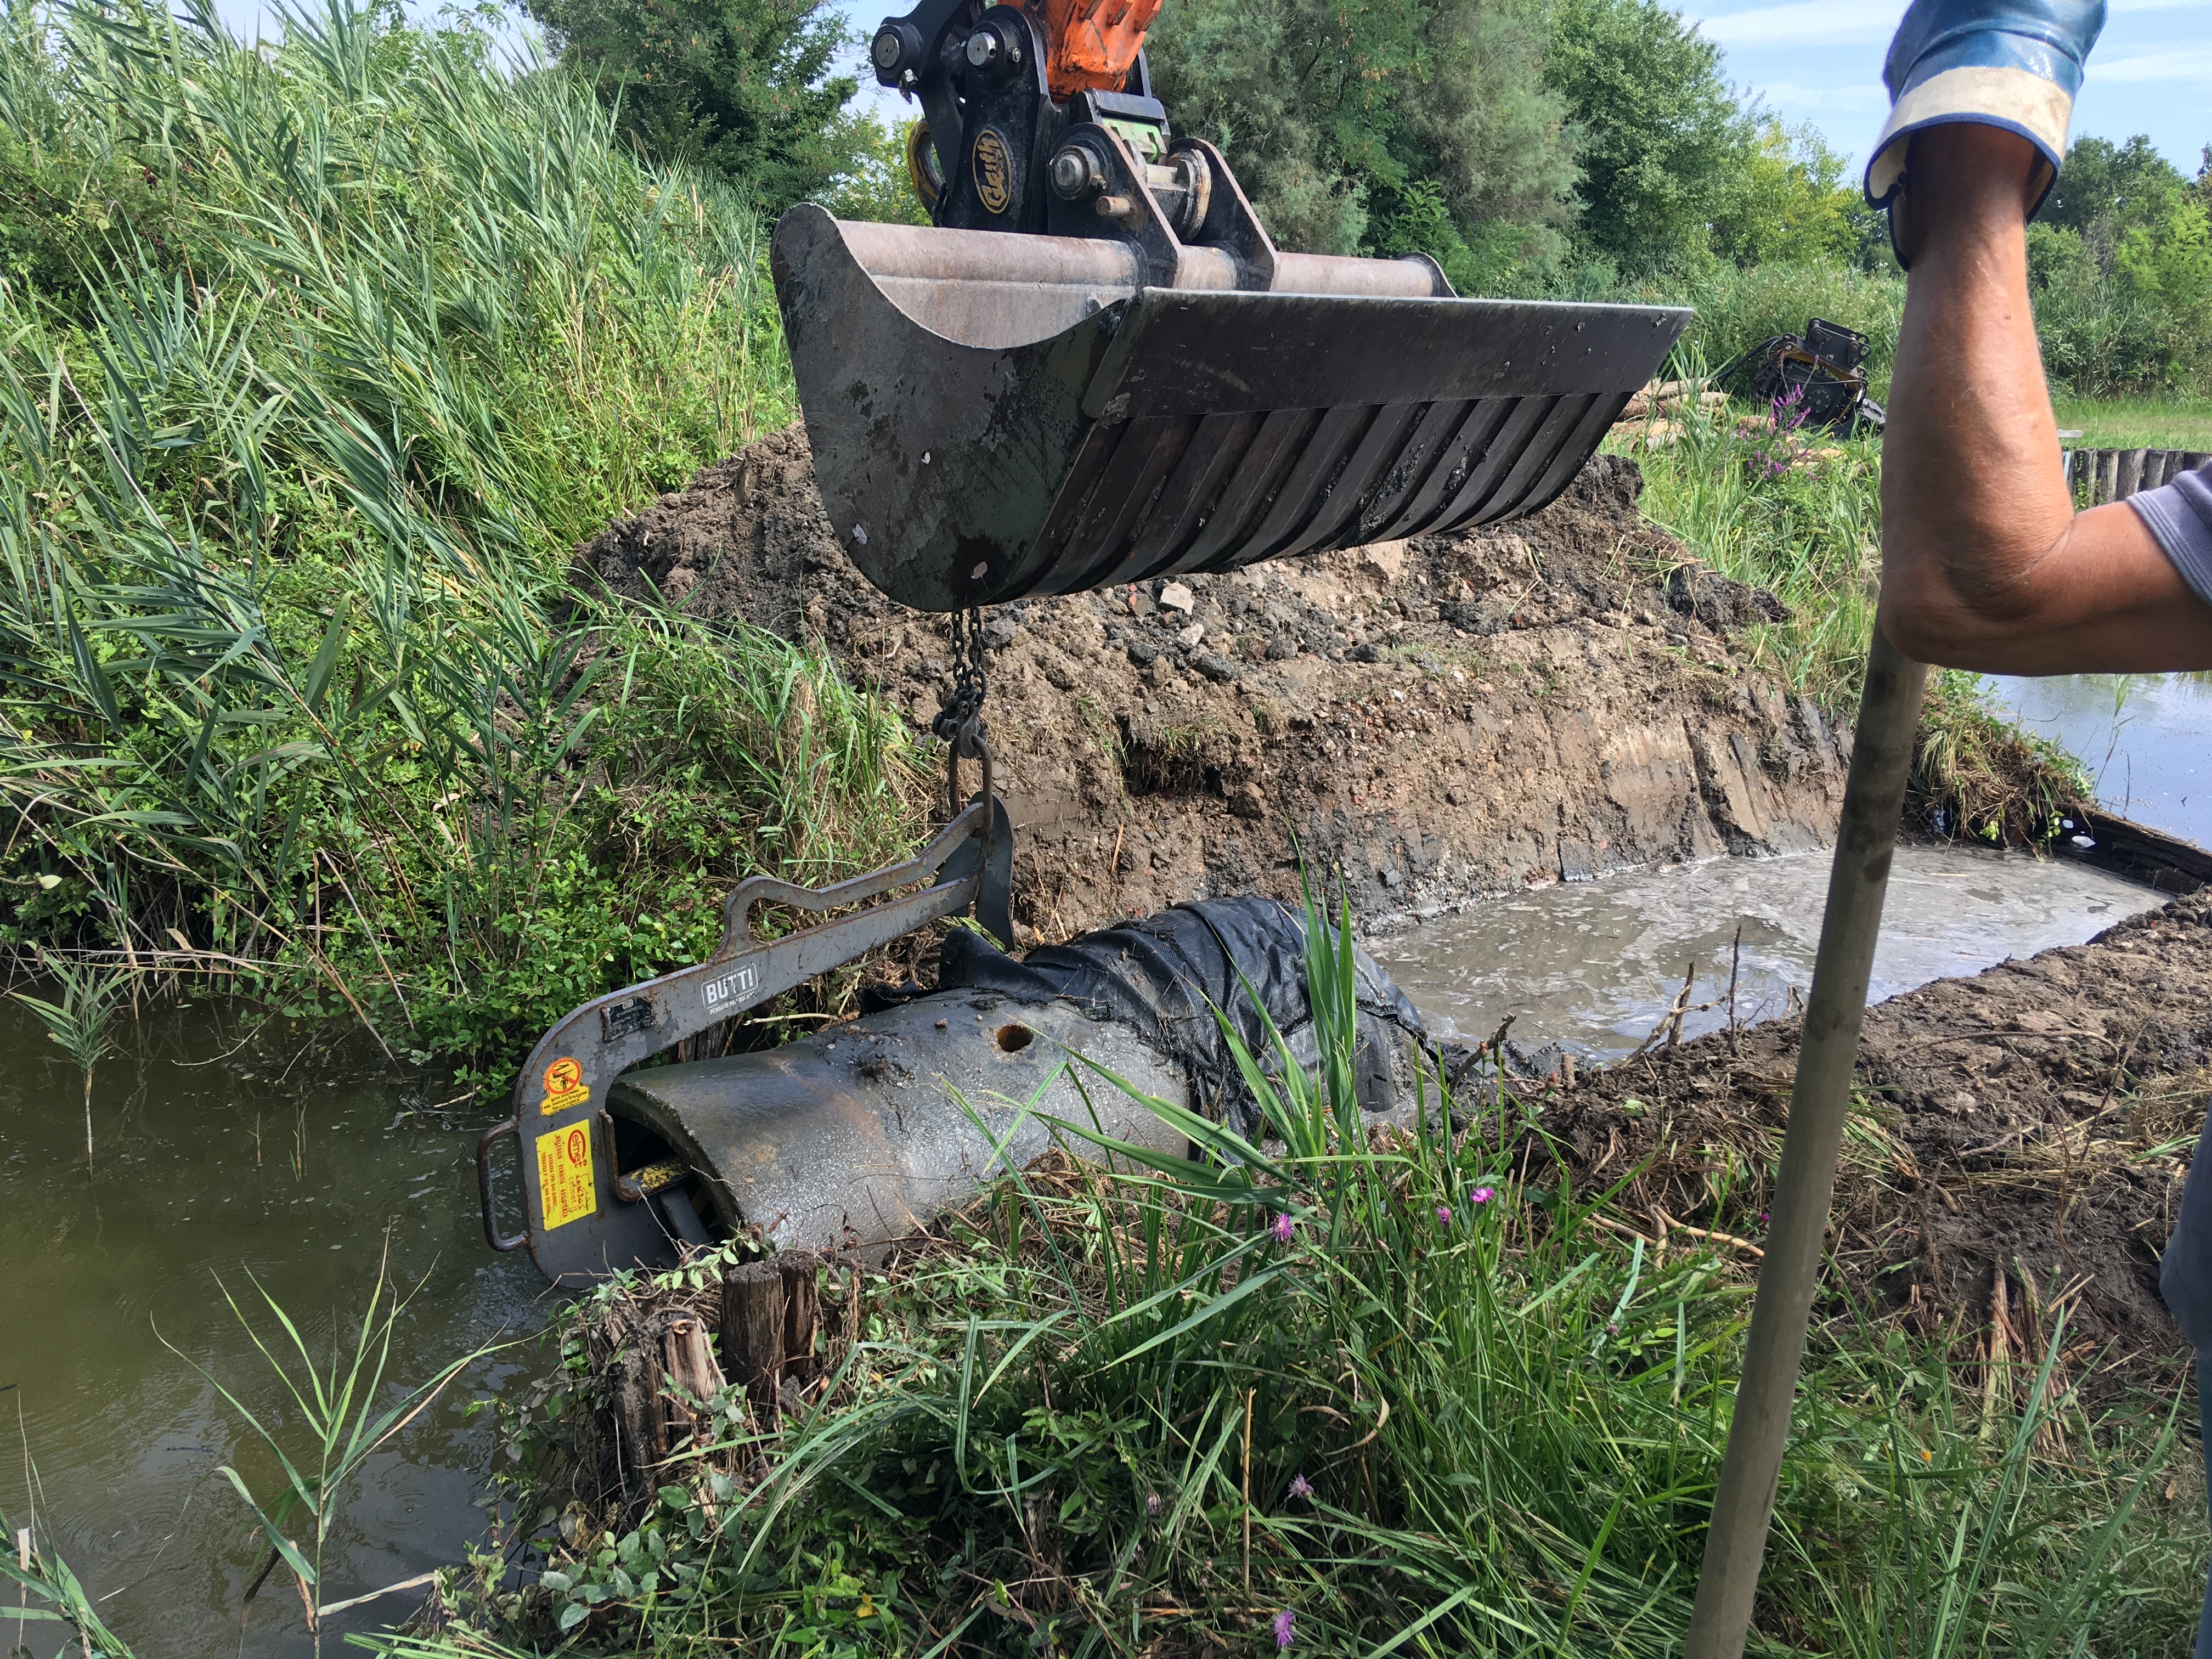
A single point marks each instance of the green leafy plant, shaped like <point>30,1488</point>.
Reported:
<point>340,1414</point>
<point>40,1573</point>
<point>80,1022</point>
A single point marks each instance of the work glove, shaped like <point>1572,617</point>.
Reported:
<point>2010,64</point>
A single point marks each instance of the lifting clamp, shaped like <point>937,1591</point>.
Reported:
<point>584,1215</point>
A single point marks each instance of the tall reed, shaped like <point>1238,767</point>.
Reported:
<point>328,355</point>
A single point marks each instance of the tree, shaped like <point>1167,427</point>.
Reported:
<point>1386,127</point>
<point>877,184</point>
<point>1785,198</point>
<point>743,87</point>
<point>1661,136</point>
<point>2104,187</point>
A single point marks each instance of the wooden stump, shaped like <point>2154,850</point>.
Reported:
<point>2108,477</point>
<point>2131,470</point>
<point>753,1318</point>
<point>802,1311</point>
<point>688,1373</point>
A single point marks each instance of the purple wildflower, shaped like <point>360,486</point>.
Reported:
<point>1151,1503</point>
<point>1483,1195</point>
<point>1300,1486</point>
<point>1443,1215</point>
<point>1283,1227</point>
<point>1285,1632</point>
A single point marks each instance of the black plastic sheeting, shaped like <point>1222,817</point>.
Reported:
<point>1164,976</point>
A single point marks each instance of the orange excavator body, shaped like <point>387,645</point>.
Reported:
<point>1092,45</point>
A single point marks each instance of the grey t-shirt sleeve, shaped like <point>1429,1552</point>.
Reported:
<point>2179,517</point>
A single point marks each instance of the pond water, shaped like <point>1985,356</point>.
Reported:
<point>226,1151</point>
<point>229,1148</point>
<point>1594,965</point>
<point>2142,737</point>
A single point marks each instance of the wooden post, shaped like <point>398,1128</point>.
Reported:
<point>2108,477</point>
<point>2131,468</point>
<point>688,1367</point>
<point>802,1311</point>
<point>2193,459</point>
<point>753,1332</point>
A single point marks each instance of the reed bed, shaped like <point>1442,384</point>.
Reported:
<point>320,360</point>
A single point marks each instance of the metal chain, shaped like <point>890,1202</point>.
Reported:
<point>962,708</point>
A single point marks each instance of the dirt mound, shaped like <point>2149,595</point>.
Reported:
<point>2037,1117</point>
<point>1439,718</point>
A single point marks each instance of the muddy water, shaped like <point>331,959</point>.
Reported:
<point>2142,737</point>
<point>220,1152</point>
<point>1594,965</point>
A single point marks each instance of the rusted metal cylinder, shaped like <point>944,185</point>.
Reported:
<point>1418,277</point>
<point>898,253</point>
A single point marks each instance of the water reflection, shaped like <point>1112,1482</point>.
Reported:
<point>225,1143</point>
<point>2142,737</point>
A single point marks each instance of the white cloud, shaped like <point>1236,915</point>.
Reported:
<point>2179,63</point>
<point>1804,23</point>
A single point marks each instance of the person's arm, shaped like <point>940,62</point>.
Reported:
<point>1986,565</point>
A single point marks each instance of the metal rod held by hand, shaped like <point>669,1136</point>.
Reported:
<point>1865,839</point>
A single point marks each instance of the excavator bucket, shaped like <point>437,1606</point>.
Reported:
<point>994,416</point>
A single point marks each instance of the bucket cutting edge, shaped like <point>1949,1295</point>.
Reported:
<point>994,416</point>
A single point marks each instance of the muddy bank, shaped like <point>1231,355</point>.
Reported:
<point>2038,1117</point>
<point>1441,717</point>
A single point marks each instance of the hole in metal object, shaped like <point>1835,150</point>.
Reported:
<point>1015,1038</point>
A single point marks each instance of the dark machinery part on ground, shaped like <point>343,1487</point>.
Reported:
<point>1095,367</point>
<point>1816,379</point>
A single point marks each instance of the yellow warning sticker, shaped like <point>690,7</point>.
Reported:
<point>564,1087</point>
<point>565,1187</point>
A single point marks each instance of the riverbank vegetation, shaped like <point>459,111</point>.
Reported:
<point>1798,512</point>
<point>1344,1391</point>
<point>315,362</point>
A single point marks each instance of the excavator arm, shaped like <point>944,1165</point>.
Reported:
<point>1096,367</point>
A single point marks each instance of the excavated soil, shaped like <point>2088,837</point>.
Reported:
<point>2038,1117</point>
<point>1460,715</point>
<point>1441,718</point>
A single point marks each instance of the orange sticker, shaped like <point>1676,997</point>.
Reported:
<point>566,1190</point>
<point>564,1087</point>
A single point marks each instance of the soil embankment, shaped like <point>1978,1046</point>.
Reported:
<point>1470,714</point>
<point>2037,1118</point>
<point>1447,716</point>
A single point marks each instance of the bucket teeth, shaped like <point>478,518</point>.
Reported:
<point>982,436</point>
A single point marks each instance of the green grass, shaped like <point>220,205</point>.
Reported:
<point>1374,1383</point>
<point>315,369</point>
<point>2137,422</point>
<point>1799,514</point>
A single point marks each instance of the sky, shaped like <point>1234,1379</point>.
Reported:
<point>1820,61</point>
